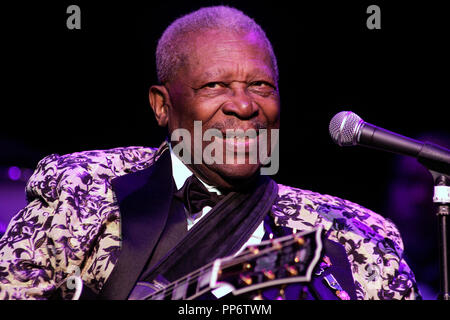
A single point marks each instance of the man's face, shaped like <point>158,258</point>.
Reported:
<point>228,83</point>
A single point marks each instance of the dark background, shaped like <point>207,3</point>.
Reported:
<point>71,90</point>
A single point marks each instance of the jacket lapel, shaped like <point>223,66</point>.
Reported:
<point>144,199</point>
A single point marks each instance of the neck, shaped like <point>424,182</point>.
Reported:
<point>224,183</point>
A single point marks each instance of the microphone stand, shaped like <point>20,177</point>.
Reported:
<point>440,171</point>
<point>441,199</point>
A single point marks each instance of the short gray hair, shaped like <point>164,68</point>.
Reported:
<point>171,49</point>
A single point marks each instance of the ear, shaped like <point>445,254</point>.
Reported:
<point>160,102</point>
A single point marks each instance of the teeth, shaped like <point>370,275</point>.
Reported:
<point>238,138</point>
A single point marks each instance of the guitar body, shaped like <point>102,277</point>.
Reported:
<point>278,269</point>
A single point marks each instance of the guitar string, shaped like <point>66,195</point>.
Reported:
<point>192,277</point>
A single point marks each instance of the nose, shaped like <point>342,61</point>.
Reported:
<point>240,105</point>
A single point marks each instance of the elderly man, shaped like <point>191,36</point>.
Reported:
<point>130,217</point>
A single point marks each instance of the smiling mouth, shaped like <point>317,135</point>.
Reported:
<point>238,142</point>
<point>231,146</point>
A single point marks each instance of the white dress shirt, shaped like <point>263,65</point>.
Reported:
<point>180,173</point>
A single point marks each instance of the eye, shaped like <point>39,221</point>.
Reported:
<point>262,84</point>
<point>262,88</point>
<point>214,85</point>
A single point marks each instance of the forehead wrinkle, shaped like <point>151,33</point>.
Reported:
<point>213,73</point>
<point>226,60</point>
<point>236,73</point>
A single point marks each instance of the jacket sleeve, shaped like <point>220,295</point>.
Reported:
<point>31,263</point>
<point>71,225</point>
<point>398,280</point>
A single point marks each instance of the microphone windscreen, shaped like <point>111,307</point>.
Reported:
<point>344,128</point>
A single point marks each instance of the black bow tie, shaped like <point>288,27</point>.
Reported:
<point>195,196</point>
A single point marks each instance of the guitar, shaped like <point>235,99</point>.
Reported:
<point>273,264</point>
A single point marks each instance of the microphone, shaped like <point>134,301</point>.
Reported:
<point>348,129</point>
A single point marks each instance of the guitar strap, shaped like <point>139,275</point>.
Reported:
<point>222,232</point>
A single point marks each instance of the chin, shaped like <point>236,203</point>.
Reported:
<point>236,173</point>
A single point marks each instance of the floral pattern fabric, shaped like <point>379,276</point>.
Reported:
<point>71,225</point>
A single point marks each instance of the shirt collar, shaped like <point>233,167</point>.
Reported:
<point>181,172</point>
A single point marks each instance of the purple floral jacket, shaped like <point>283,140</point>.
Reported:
<point>72,224</point>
